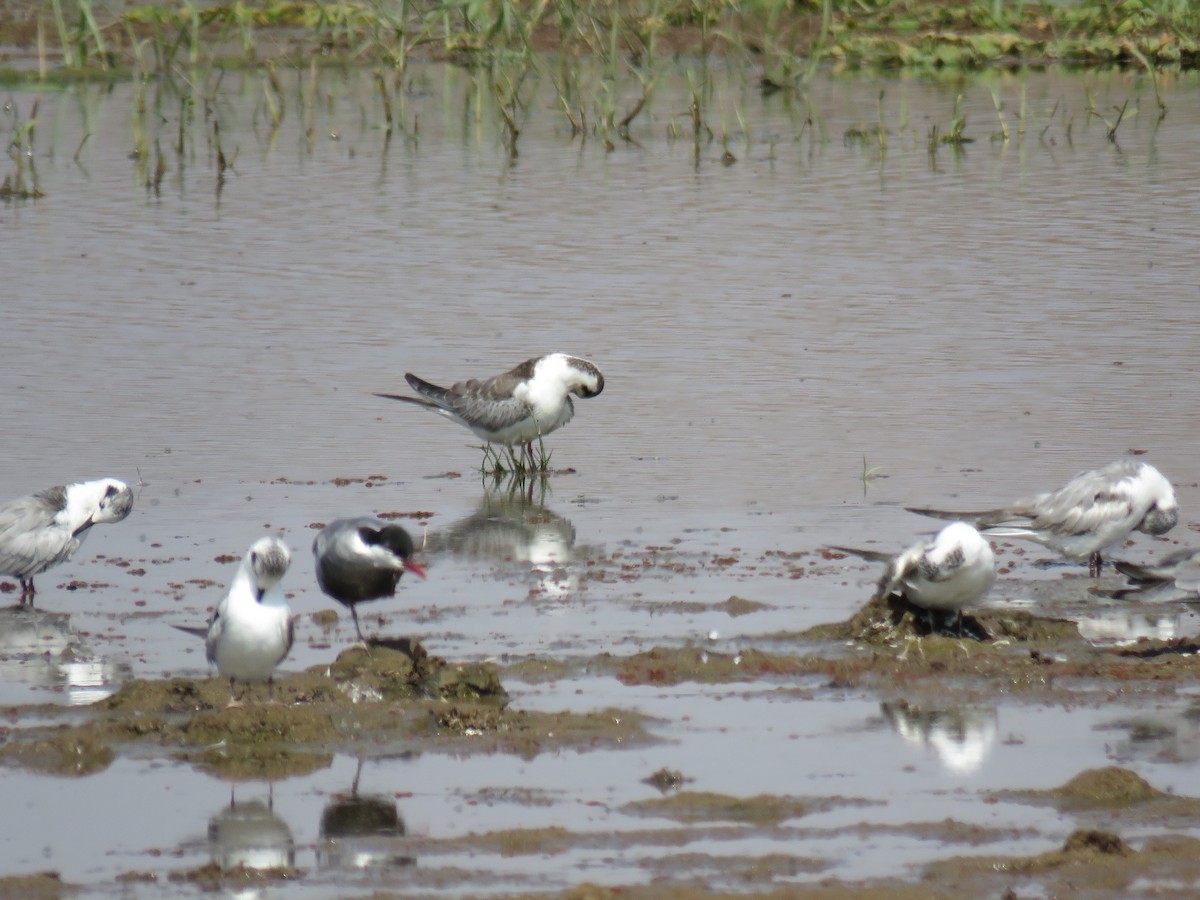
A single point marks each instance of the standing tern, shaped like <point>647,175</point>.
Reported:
<point>947,574</point>
<point>1094,510</point>
<point>362,559</point>
<point>516,408</point>
<point>251,630</point>
<point>46,528</point>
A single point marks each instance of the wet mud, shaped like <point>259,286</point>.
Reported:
<point>387,697</point>
<point>393,697</point>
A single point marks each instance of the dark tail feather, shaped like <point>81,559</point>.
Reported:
<point>439,395</point>
<point>194,630</point>
<point>1135,573</point>
<point>419,401</point>
<point>872,555</point>
<point>978,519</point>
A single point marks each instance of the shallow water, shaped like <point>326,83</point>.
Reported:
<point>977,325</point>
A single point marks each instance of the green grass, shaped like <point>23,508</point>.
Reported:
<point>22,183</point>
<point>506,463</point>
<point>785,35</point>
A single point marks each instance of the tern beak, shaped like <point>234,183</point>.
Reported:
<point>84,527</point>
<point>413,567</point>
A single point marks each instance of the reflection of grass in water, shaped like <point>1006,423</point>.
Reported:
<point>22,184</point>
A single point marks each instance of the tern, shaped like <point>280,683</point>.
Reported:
<point>46,528</point>
<point>251,630</point>
<point>947,574</point>
<point>1093,511</point>
<point>1176,577</point>
<point>517,408</point>
<point>362,559</point>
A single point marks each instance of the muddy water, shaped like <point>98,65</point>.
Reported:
<point>975,324</point>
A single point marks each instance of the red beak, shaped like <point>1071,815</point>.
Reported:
<point>410,566</point>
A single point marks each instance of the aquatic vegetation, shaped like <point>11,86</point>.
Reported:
<point>788,37</point>
<point>23,183</point>
<point>506,462</point>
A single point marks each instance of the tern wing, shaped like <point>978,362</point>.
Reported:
<point>216,627</point>
<point>488,405</point>
<point>898,567</point>
<point>28,543</point>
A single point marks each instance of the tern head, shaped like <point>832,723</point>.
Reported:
<point>98,502</point>
<point>395,539</point>
<point>267,561</point>
<point>115,503</point>
<point>1163,513</point>
<point>582,378</point>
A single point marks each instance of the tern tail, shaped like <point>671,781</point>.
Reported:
<point>1136,573</point>
<point>983,519</point>
<point>438,395</point>
<point>872,555</point>
<point>419,401</point>
<point>194,630</point>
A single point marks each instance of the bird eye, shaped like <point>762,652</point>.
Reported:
<point>253,557</point>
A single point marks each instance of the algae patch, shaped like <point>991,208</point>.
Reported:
<point>673,665</point>
<point>704,806</point>
<point>35,886</point>
<point>63,751</point>
<point>399,670</point>
<point>886,620</point>
<point>1097,789</point>
<point>391,697</point>
<point>211,877</point>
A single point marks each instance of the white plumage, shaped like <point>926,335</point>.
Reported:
<point>947,574</point>
<point>46,528</point>
<point>251,630</point>
<point>518,407</point>
<point>1094,510</point>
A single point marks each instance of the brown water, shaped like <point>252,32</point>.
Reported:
<point>977,324</point>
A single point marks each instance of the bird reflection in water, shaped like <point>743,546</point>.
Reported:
<point>960,735</point>
<point>362,831</point>
<point>42,650</point>
<point>248,834</point>
<point>513,526</point>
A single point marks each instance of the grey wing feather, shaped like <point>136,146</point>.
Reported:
<point>27,543</point>
<point>493,415</point>
<point>1180,570</point>
<point>978,519</point>
<point>872,555</point>
<point>291,639</point>
<point>486,404</point>
<point>897,567</point>
<point>216,625</point>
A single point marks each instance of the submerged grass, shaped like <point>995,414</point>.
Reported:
<point>22,183</point>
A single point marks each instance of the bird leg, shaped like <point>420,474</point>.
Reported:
<point>234,702</point>
<point>362,640</point>
<point>27,591</point>
<point>1094,564</point>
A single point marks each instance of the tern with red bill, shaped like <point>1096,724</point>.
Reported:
<point>362,559</point>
